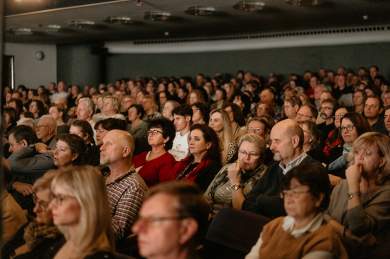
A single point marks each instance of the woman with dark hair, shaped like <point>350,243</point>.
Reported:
<point>200,113</point>
<point>304,232</point>
<point>203,161</point>
<point>353,125</point>
<point>84,130</point>
<point>69,150</point>
<point>237,119</point>
<point>37,108</point>
<point>311,139</point>
<point>103,126</point>
<point>156,165</point>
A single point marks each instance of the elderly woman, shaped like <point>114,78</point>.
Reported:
<point>203,161</point>
<point>234,181</point>
<point>220,123</point>
<point>80,210</point>
<point>156,165</point>
<point>361,202</point>
<point>38,238</point>
<point>304,232</point>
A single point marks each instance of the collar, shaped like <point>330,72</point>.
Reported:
<point>293,163</point>
<point>314,224</point>
<point>118,179</point>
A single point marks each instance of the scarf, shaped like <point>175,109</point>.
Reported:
<point>35,233</point>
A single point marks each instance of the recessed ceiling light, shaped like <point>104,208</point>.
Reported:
<point>304,2</point>
<point>81,23</point>
<point>53,28</point>
<point>249,5</point>
<point>22,31</point>
<point>201,10</point>
<point>157,16</point>
<point>118,20</point>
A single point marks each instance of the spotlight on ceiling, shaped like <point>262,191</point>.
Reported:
<point>81,23</point>
<point>201,10</point>
<point>250,5</point>
<point>157,16</point>
<point>118,20</point>
<point>301,3</point>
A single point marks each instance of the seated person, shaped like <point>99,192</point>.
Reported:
<point>155,166</point>
<point>203,162</point>
<point>25,164</point>
<point>172,221</point>
<point>69,150</point>
<point>138,128</point>
<point>234,181</point>
<point>38,238</point>
<point>103,126</point>
<point>303,233</point>
<point>81,211</point>
<point>46,131</point>
<point>361,202</point>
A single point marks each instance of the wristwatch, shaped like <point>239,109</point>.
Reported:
<point>236,187</point>
<point>352,194</point>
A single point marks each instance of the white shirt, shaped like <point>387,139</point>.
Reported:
<point>180,146</point>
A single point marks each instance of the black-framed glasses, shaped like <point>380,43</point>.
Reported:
<point>43,205</point>
<point>293,193</point>
<point>349,128</point>
<point>154,132</point>
<point>250,154</point>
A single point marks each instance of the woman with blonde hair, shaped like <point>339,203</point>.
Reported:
<point>80,210</point>
<point>361,202</point>
<point>220,123</point>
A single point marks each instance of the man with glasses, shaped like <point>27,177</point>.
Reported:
<point>307,112</point>
<point>46,131</point>
<point>287,146</point>
<point>172,221</point>
<point>125,188</point>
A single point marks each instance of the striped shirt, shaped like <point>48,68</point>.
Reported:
<point>125,197</point>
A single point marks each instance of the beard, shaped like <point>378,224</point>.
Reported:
<point>277,157</point>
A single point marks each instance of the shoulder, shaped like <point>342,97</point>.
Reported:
<point>101,255</point>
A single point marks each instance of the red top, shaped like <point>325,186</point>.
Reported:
<point>156,170</point>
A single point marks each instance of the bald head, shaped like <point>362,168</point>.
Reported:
<point>118,146</point>
<point>286,140</point>
<point>46,128</point>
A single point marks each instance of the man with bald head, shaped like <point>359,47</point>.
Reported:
<point>286,145</point>
<point>46,130</point>
<point>125,188</point>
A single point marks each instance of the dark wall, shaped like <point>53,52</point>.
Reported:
<point>77,64</point>
<point>80,64</point>
<point>282,61</point>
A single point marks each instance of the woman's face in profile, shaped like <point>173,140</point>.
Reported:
<point>41,206</point>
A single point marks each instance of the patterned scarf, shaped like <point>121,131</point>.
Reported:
<point>35,233</point>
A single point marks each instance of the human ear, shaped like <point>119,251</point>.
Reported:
<point>188,229</point>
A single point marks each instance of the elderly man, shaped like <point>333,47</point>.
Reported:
<point>125,188</point>
<point>172,221</point>
<point>85,109</point>
<point>46,131</point>
<point>286,145</point>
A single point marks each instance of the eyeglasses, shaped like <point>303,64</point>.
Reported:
<point>339,116</point>
<point>293,193</point>
<point>349,128</point>
<point>43,205</point>
<point>58,199</point>
<point>149,221</point>
<point>154,132</point>
<point>250,154</point>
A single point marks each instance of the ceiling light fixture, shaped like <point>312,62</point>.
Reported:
<point>22,31</point>
<point>304,2</point>
<point>118,20</point>
<point>250,5</point>
<point>53,28</point>
<point>157,16</point>
<point>81,23</point>
<point>201,10</point>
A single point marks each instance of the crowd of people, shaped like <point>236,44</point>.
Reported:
<point>88,168</point>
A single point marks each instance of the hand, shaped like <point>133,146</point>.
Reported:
<point>24,188</point>
<point>354,175</point>
<point>334,180</point>
<point>233,173</point>
<point>41,148</point>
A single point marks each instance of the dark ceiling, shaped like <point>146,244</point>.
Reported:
<point>28,20</point>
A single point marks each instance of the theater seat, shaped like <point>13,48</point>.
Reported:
<point>232,233</point>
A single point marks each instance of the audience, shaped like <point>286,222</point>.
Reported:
<point>332,138</point>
